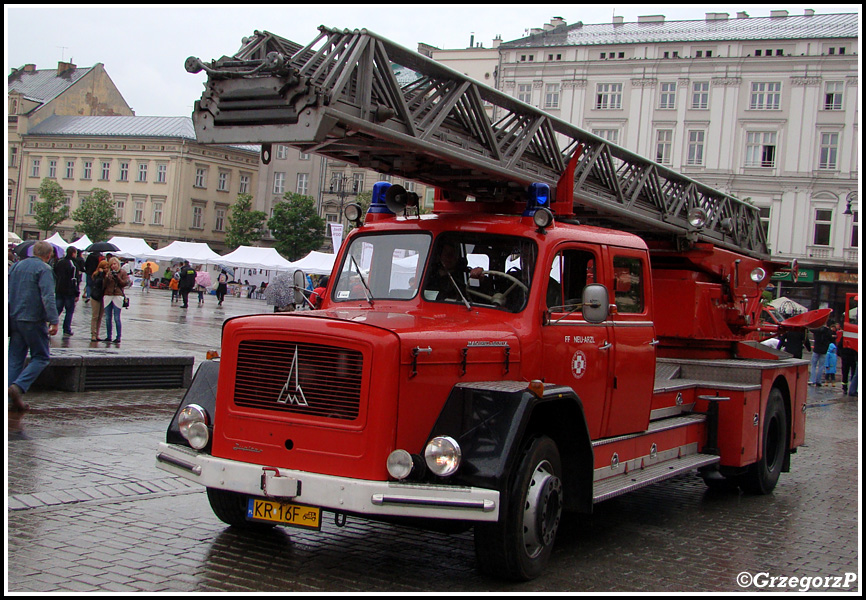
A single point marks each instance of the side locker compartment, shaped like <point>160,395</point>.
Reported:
<point>739,423</point>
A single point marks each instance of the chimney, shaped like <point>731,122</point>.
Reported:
<point>779,14</point>
<point>809,12</point>
<point>742,15</point>
<point>63,67</point>
<point>557,21</point>
<point>651,19</point>
<point>717,16</point>
<point>472,40</point>
<point>618,20</point>
<point>28,68</point>
<point>535,30</point>
<point>496,41</point>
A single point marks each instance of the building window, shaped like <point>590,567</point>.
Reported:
<point>106,171</point>
<point>761,149</point>
<point>223,182</point>
<point>696,148</point>
<point>142,173</point>
<point>303,183</point>
<point>13,156</point>
<point>119,207</point>
<point>829,150</point>
<point>244,184</point>
<point>524,92</point>
<point>833,95</point>
<point>303,156</point>
<point>220,219</point>
<point>138,212</point>
<point>608,96</point>
<point>358,183</point>
<point>823,222</point>
<point>669,96</point>
<point>282,151</point>
<point>200,178</point>
<point>157,213</point>
<point>764,214</point>
<point>551,96</point>
<point>124,171</point>
<point>88,169</point>
<point>197,213</point>
<point>34,167</point>
<point>700,94</point>
<point>52,169</point>
<point>855,242</point>
<point>611,135</point>
<point>664,143</point>
<point>279,183</point>
<point>765,96</point>
<point>161,173</point>
<point>31,204</point>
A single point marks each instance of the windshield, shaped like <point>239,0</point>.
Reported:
<point>479,269</point>
<point>382,267</point>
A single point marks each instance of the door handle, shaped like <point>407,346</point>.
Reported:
<point>654,343</point>
<point>605,345</point>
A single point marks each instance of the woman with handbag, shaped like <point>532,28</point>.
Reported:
<point>114,299</point>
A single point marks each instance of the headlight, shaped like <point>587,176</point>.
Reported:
<point>193,423</point>
<point>442,455</point>
<point>399,464</point>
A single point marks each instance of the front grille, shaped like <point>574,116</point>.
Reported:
<point>309,379</point>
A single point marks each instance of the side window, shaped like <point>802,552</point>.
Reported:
<point>628,284</point>
<point>570,272</point>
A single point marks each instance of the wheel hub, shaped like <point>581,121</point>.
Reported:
<point>542,510</point>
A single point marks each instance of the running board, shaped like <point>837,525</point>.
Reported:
<point>633,480</point>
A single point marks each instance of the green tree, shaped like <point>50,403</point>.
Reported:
<point>296,226</point>
<point>244,224</point>
<point>52,210</point>
<point>96,215</point>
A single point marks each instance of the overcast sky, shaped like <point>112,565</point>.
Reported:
<point>143,48</point>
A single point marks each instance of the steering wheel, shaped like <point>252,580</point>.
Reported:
<point>499,298</point>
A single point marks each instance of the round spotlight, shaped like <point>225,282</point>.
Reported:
<point>399,464</point>
<point>353,212</point>
<point>442,455</point>
<point>697,217</point>
<point>542,218</point>
<point>758,275</point>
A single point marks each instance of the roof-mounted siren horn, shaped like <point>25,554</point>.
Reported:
<point>538,206</point>
<point>398,200</point>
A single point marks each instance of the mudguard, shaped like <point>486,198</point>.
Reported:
<point>494,421</point>
<point>201,391</point>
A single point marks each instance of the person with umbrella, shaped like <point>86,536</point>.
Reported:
<point>31,304</point>
<point>222,287</point>
<point>147,269</point>
<point>202,283</point>
<point>281,293</point>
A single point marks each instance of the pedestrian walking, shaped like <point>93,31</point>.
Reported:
<point>173,284</point>
<point>145,278</point>
<point>186,283</point>
<point>113,299</point>
<point>222,287</point>
<point>97,291</point>
<point>66,287</point>
<point>830,366</point>
<point>202,283</point>
<point>91,264</point>
<point>33,319</point>
<point>792,342</point>
<point>823,337</point>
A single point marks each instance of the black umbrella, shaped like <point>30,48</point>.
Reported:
<point>25,249</point>
<point>102,247</point>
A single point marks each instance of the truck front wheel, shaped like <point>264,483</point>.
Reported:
<point>762,476</point>
<point>231,508</point>
<point>518,546</point>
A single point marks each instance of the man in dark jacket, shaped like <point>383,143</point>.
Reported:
<point>186,283</point>
<point>823,338</point>
<point>793,341</point>
<point>66,291</point>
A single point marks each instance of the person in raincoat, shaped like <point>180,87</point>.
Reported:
<point>830,366</point>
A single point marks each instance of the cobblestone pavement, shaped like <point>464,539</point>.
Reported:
<point>88,511</point>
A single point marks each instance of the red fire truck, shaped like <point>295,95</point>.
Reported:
<point>571,322</point>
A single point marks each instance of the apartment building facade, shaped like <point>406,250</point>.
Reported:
<point>764,108</point>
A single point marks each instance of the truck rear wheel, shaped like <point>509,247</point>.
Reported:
<point>762,476</point>
<point>518,546</point>
<point>231,508</point>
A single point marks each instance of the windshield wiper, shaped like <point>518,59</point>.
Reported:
<point>367,293</point>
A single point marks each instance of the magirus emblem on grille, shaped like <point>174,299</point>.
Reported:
<point>287,396</point>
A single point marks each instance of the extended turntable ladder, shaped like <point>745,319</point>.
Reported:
<point>356,97</point>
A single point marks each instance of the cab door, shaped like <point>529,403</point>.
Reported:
<point>633,336</point>
<point>577,353</point>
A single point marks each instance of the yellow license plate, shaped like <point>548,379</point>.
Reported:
<point>285,513</point>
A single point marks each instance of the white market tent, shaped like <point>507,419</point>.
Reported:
<point>197,253</point>
<point>81,243</point>
<point>251,257</point>
<point>316,263</point>
<point>58,240</point>
<point>129,247</point>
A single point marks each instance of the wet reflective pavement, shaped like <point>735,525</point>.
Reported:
<point>88,511</point>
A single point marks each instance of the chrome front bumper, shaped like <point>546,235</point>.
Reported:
<point>338,494</point>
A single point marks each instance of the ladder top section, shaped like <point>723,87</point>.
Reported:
<point>359,98</point>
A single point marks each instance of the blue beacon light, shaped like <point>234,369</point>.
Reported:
<point>538,197</point>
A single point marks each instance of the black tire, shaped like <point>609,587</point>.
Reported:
<point>518,546</point>
<point>762,476</point>
<point>231,508</point>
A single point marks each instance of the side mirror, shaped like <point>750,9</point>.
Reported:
<point>596,302</point>
<point>299,280</point>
